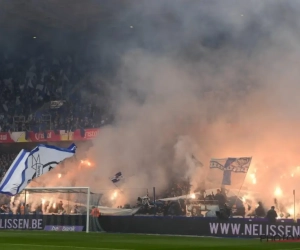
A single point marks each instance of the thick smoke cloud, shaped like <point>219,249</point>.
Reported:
<point>210,78</point>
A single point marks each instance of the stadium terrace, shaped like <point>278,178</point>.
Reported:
<point>151,119</point>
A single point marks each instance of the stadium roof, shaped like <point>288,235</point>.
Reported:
<point>73,15</point>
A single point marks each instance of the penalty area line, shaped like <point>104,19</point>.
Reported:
<point>55,246</point>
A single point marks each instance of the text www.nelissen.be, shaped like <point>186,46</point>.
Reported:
<point>252,229</point>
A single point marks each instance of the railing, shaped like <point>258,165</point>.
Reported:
<point>41,122</point>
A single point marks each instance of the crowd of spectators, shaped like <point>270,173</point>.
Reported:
<point>178,187</point>
<point>5,162</point>
<point>42,89</point>
<point>29,83</point>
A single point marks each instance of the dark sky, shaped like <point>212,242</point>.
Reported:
<point>157,26</point>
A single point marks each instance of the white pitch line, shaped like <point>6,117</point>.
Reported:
<point>18,234</point>
<point>73,247</point>
<point>90,234</point>
<point>290,249</point>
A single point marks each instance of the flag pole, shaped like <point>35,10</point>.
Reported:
<point>120,190</point>
<point>237,196</point>
<point>242,183</point>
<point>294,193</point>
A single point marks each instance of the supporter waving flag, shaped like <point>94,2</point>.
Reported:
<point>229,171</point>
<point>31,165</point>
<point>118,176</point>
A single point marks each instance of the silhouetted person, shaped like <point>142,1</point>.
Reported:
<point>76,210</point>
<point>3,209</point>
<point>227,210</point>
<point>166,208</point>
<point>182,206</point>
<point>220,198</point>
<point>27,209</point>
<point>60,206</point>
<point>95,212</point>
<point>272,215</point>
<point>174,208</point>
<point>22,209</point>
<point>260,211</point>
<point>224,212</point>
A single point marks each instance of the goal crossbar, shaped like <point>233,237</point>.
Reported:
<point>64,190</point>
<point>85,190</point>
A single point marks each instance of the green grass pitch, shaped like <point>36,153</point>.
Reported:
<point>37,240</point>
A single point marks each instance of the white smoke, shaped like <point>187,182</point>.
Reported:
<point>211,80</point>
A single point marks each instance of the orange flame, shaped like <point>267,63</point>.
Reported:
<point>278,191</point>
<point>86,163</point>
<point>114,196</point>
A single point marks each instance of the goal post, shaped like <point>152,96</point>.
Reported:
<point>63,190</point>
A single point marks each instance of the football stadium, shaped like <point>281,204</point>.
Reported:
<point>149,124</point>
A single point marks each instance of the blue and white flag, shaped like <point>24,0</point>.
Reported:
<point>30,165</point>
<point>237,165</point>
<point>229,171</point>
<point>196,161</point>
<point>117,177</point>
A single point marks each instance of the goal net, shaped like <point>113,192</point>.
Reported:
<point>66,208</point>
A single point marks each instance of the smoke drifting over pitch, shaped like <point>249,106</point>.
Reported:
<point>208,78</point>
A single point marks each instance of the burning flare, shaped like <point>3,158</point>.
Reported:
<point>278,191</point>
<point>86,163</point>
<point>114,196</point>
<point>253,178</point>
<point>291,211</point>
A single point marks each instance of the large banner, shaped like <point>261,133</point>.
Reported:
<point>5,138</point>
<point>21,223</point>
<point>251,228</point>
<point>43,222</point>
<point>49,135</point>
<point>228,172</point>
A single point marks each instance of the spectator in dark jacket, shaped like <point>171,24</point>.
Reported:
<point>260,211</point>
<point>272,215</point>
<point>220,198</point>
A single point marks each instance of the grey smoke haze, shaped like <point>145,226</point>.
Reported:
<point>211,78</point>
